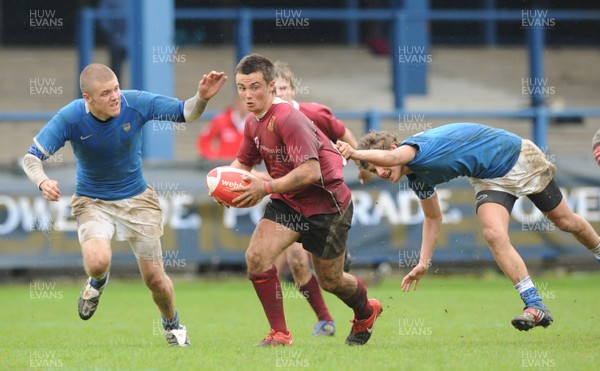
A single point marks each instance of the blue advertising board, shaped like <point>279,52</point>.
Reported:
<point>387,223</point>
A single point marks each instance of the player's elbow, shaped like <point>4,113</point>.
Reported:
<point>312,172</point>
<point>314,177</point>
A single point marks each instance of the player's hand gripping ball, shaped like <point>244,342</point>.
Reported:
<point>220,180</point>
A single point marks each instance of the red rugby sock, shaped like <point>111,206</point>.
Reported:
<point>313,294</point>
<point>268,289</point>
<point>359,302</point>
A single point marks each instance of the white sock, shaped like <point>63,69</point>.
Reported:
<point>596,251</point>
<point>524,285</point>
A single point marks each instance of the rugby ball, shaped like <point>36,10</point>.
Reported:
<point>222,179</point>
<point>596,146</point>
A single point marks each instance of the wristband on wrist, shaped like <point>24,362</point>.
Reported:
<point>268,188</point>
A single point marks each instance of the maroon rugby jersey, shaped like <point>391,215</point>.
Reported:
<point>322,117</point>
<point>284,138</point>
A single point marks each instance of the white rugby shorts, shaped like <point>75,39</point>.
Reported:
<point>531,174</point>
<point>137,219</point>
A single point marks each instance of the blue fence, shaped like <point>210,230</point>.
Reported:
<point>534,21</point>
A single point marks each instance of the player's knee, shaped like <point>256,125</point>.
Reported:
<point>567,221</point>
<point>494,237</point>
<point>564,224</point>
<point>329,283</point>
<point>98,266</point>
<point>297,263</point>
<point>255,261</point>
<point>301,273</point>
<point>158,283</point>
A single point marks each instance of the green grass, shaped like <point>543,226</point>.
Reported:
<point>450,323</point>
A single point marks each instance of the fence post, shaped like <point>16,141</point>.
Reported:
<point>416,39</point>
<point>490,24</point>
<point>152,27</point>
<point>535,41</point>
<point>372,121</point>
<point>352,26</point>
<point>541,118</point>
<point>243,39</point>
<point>398,70</point>
<point>134,35</point>
<point>85,40</point>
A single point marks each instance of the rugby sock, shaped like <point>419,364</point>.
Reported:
<point>312,292</point>
<point>171,324</point>
<point>359,302</point>
<point>97,284</point>
<point>268,289</point>
<point>596,252</point>
<point>529,294</point>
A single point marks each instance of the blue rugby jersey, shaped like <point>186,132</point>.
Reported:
<point>108,154</point>
<point>461,149</point>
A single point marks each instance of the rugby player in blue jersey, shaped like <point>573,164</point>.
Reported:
<point>112,197</point>
<point>501,167</point>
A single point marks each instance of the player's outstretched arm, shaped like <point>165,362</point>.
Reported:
<point>394,157</point>
<point>431,231</point>
<point>208,87</point>
<point>35,172</point>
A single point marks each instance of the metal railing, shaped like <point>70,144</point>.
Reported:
<point>535,22</point>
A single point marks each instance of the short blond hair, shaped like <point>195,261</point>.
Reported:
<point>376,140</point>
<point>282,70</point>
<point>92,73</point>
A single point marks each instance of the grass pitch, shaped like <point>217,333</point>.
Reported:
<point>449,323</point>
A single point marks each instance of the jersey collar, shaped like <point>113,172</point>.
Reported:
<point>276,100</point>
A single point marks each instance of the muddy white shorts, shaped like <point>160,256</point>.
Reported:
<point>137,219</point>
<point>531,174</point>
